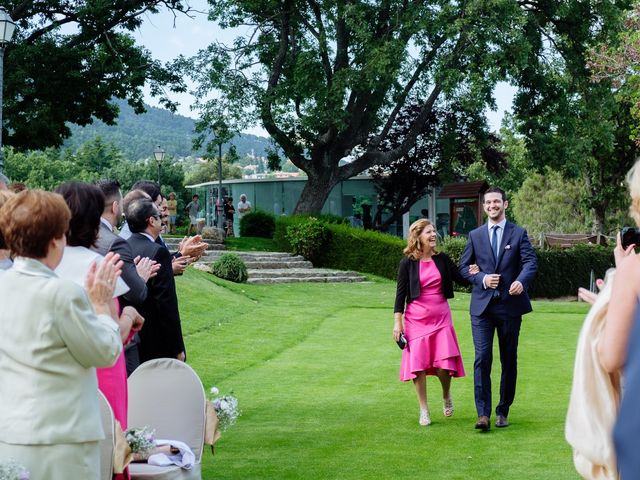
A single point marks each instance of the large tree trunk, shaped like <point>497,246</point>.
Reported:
<point>599,213</point>
<point>316,191</point>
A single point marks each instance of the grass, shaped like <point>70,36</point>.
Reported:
<point>250,244</point>
<point>316,373</point>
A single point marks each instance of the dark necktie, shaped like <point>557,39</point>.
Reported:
<point>494,241</point>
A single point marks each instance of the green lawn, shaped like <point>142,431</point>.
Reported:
<point>316,373</point>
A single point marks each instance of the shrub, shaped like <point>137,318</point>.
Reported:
<point>257,224</point>
<point>308,238</point>
<point>453,246</point>
<point>230,267</point>
<point>560,271</point>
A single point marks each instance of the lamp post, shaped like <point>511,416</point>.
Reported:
<point>219,208</point>
<point>158,154</point>
<point>7,27</point>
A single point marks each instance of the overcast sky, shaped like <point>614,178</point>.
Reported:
<point>167,37</point>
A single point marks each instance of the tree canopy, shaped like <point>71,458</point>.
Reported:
<point>69,59</point>
<point>328,79</point>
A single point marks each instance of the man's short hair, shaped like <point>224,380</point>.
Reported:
<point>195,196</point>
<point>150,188</point>
<point>138,212</point>
<point>130,197</point>
<point>111,191</point>
<point>495,190</point>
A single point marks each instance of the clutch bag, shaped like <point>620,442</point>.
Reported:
<point>402,341</point>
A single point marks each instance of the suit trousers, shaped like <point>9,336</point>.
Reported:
<point>495,318</point>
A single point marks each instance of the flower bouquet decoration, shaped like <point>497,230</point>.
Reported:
<point>11,470</point>
<point>226,407</point>
<point>141,441</point>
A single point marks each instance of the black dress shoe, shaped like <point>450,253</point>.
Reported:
<point>482,423</point>
<point>502,421</point>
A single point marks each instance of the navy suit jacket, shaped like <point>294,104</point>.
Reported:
<point>516,261</point>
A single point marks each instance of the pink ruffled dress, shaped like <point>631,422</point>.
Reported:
<point>432,342</point>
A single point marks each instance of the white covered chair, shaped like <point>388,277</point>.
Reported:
<point>167,395</point>
<point>107,445</point>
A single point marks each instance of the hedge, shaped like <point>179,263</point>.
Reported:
<point>560,271</point>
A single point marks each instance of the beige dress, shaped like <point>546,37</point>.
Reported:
<point>594,400</point>
<point>51,340</point>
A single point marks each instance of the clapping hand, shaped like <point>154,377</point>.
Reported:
<point>589,296</point>
<point>146,267</point>
<point>192,247</point>
<point>100,282</point>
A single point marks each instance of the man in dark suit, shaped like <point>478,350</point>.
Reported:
<point>161,335</point>
<point>108,241</point>
<point>499,298</point>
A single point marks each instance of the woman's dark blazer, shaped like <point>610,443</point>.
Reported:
<point>408,288</point>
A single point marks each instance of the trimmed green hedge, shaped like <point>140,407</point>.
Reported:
<point>560,271</point>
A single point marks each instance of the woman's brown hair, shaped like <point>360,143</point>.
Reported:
<point>413,249</point>
<point>31,220</point>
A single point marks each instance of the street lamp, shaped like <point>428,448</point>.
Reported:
<point>158,153</point>
<point>7,27</point>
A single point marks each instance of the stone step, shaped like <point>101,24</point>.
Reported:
<point>300,273</point>
<point>336,279</point>
<point>253,254</point>
<point>266,263</point>
<point>175,241</point>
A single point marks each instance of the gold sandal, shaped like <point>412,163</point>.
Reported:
<point>447,406</point>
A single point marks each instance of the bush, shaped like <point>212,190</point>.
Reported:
<point>308,238</point>
<point>257,224</point>
<point>560,271</point>
<point>454,247</point>
<point>230,267</point>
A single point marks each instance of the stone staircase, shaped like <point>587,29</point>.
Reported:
<point>173,242</point>
<point>279,267</point>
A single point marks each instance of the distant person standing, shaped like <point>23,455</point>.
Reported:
<point>244,206</point>
<point>172,203</point>
<point>228,214</point>
<point>192,209</point>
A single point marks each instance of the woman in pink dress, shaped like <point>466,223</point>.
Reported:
<point>425,282</point>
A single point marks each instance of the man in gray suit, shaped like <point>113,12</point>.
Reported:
<point>108,241</point>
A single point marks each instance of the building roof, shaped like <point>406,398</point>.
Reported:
<point>463,189</point>
<point>302,178</point>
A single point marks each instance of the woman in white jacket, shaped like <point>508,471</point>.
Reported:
<point>52,336</point>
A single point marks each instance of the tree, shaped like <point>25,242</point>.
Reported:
<point>570,123</point>
<point>329,78</point>
<point>54,76</point>
<point>208,171</point>
<point>617,62</point>
<point>550,204</point>
<point>451,139</point>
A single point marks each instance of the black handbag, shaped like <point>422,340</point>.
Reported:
<point>402,341</point>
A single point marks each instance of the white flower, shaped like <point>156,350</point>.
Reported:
<point>224,405</point>
<point>214,391</point>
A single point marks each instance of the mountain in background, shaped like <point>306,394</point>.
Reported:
<point>138,135</point>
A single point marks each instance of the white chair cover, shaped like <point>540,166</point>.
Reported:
<point>167,395</point>
<point>106,445</point>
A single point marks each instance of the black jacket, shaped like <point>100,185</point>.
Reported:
<point>161,334</point>
<point>408,288</point>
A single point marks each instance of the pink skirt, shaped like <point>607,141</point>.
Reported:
<point>432,342</point>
